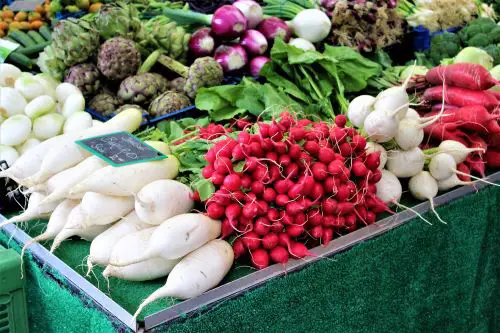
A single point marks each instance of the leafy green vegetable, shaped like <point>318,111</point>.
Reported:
<point>445,45</point>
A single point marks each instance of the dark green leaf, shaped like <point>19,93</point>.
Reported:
<point>238,167</point>
<point>205,188</point>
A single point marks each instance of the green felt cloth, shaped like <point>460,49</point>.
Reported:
<point>416,278</point>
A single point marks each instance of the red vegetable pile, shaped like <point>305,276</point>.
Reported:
<point>472,112</point>
<point>291,185</point>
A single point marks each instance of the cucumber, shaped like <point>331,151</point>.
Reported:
<point>23,38</point>
<point>11,40</point>
<point>45,32</point>
<point>21,60</point>
<point>33,49</point>
<point>36,36</point>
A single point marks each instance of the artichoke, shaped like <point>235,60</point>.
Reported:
<point>105,103</point>
<point>141,89</point>
<point>85,77</point>
<point>118,19</point>
<point>162,82</point>
<point>118,58</point>
<point>134,106</point>
<point>178,84</point>
<point>204,72</point>
<point>165,35</point>
<point>168,102</point>
<point>49,64</point>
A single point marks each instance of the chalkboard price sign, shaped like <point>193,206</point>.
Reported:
<point>120,149</point>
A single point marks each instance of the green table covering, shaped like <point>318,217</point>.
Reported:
<point>415,278</point>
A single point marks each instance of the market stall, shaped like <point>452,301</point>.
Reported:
<point>165,164</point>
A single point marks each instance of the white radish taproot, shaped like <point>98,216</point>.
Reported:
<point>382,125</point>
<point>67,153</point>
<point>198,272</point>
<point>162,199</point>
<point>405,164</point>
<point>74,227</point>
<point>449,183</point>
<point>359,108</point>
<point>61,183</point>
<point>176,237</point>
<point>56,223</point>
<point>102,246</point>
<point>424,187</point>
<point>35,210</point>
<point>457,149</point>
<point>101,209</point>
<point>128,180</point>
<point>389,188</point>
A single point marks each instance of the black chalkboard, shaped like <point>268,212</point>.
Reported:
<point>120,149</point>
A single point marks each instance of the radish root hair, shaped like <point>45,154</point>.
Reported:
<point>433,209</point>
<point>476,178</point>
<point>411,210</point>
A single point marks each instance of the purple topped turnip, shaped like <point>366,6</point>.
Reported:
<point>274,27</point>
<point>201,43</point>
<point>231,57</point>
<point>256,65</point>
<point>254,42</point>
<point>252,10</point>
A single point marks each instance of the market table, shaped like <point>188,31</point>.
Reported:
<point>399,277</point>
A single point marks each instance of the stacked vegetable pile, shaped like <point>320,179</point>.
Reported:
<point>291,183</point>
<point>35,108</point>
<point>10,21</point>
<point>73,6</point>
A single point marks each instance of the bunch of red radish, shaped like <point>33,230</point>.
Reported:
<point>472,112</point>
<point>291,185</point>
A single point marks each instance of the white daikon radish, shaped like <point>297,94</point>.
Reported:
<point>176,237</point>
<point>128,247</point>
<point>39,106</point>
<point>102,246</point>
<point>56,223</point>
<point>74,103</point>
<point>64,90</point>
<point>48,126</point>
<point>372,147</point>
<point>15,130</point>
<point>74,227</point>
<point>161,146</point>
<point>128,180</point>
<point>196,273</point>
<point>359,108</point>
<point>101,209</point>
<point>8,75</point>
<point>35,210</point>
<point>67,153</point>
<point>11,102</point>
<point>163,199</point>
<point>28,86</point>
<point>424,187</point>
<point>78,121</point>
<point>27,145</point>
<point>8,154</point>
<point>68,178</point>
<point>404,164</point>
<point>389,189</point>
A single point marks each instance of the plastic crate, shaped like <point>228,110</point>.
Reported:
<point>13,312</point>
<point>422,37</point>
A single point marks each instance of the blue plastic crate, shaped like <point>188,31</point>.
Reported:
<point>64,15</point>
<point>422,37</point>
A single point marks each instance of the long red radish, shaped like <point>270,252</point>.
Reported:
<point>461,97</point>
<point>464,75</point>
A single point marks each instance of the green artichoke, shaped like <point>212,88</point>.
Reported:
<point>49,64</point>
<point>204,72</point>
<point>118,19</point>
<point>105,103</point>
<point>85,77</point>
<point>162,82</point>
<point>141,89</point>
<point>168,102</point>
<point>129,106</point>
<point>118,58</point>
<point>178,84</point>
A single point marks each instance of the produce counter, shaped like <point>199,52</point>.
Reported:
<point>398,277</point>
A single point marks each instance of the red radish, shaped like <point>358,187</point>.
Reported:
<point>372,161</point>
<point>443,132</point>
<point>226,229</point>
<point>319,171</point>
<point>342,193</point>
<point>251,240</point>
<point>300,218</point>
<point>260,173</point>
<point>280,148</point>
<point>232,182</point>
<point>358,142</point>
<point>270,241</point>
<point>282,200</point>
<point>359,169</point>
<point>464,75</point>
<point>233,211</point>
<point>201,43</point>
<point>231,57</point>
<point>238,154</point>
<point>291,170</point>
<point>477,165</point>
<point>263,207</point>
<point>437,107</point>
<point>297,134</point>
<point>215,211</point>
<point>244,137</point>
<point>284,239</point>
<point>246,181</point>
<point>461,97</point>
<point>473,117</point>
<point>254,42</point>
<point>493,158</point>
<point>329,206</point>
<point>277,227</point>
<point>257,188</point>
<point>269,194</point>
<point>345,149</point>
<point>223,165</point>
<point>326,155</point>
<point>327,236</point>
<point>316,232</point>
<point>314,217</point>
<point>256,65</point>
<point>251,10</point>
<point>260,258</point>
<point>477,142</point>
<point>462,167</point>
<point>293,208</point>
<point>336,167</point>
<point>284,160</point>
<point>274,27</point>
<point>294,230</point>
<point>238,248</point>
<point>317,192</point>
<point>345,208</point>
<point>299,250</point>
<point>279,255</point>
<point>295,191</point>
<point>207,171</point>
<point>340,120</point>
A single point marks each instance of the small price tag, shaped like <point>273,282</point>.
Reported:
<point>120,149</point>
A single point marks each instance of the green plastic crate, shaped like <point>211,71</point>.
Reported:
<point>13,314</point>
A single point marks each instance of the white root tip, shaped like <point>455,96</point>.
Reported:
<point>90,265</point>
<point>55,244</point>
<point>476,178</point>
<point>411,210</point>
<point>107,271</point>
<point>435,212</point>
<point>159,293</point>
